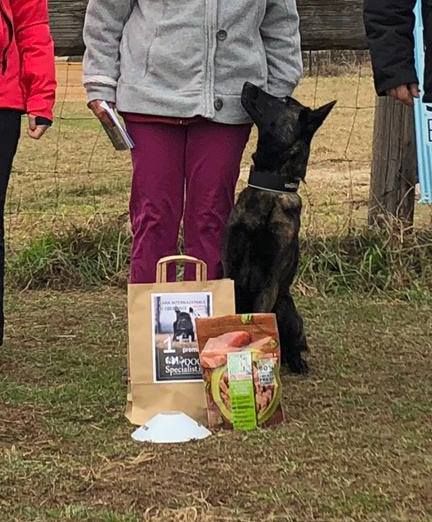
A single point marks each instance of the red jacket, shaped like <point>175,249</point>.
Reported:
<point>27,70</point>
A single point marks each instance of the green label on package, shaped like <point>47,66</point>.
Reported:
<point>242,392</point>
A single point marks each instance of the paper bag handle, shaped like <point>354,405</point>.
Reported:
<point>162,265</point>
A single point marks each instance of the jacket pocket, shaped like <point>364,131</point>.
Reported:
<point>175,60</point>
<point>263,59</point>
<point>241,57</point>
<point>139,36</point>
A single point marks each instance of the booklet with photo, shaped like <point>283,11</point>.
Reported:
<point>117,134</point>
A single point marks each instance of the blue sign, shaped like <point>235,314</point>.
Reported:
<point>423,116</point>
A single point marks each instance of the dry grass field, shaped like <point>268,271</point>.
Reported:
<point>356,446</point>
<point>75,174</point>
<point>357,443</point>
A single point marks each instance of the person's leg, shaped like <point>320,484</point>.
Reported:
<point>157,195</point>
<point>10,124</point>
<point>213,156</point>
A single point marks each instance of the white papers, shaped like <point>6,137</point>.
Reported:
<point>117,134</point>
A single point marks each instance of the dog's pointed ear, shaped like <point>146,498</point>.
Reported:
<point>315,118</point>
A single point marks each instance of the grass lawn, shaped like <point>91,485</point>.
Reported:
<point>75,174</point>
<point>357,444</point>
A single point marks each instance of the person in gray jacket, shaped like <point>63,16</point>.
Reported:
<point>175,71</point>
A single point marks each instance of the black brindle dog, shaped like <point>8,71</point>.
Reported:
<point>262,246</point>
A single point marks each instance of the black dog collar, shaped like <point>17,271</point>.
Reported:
<point>270,181</point>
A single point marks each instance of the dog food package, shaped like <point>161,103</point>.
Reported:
<point>163,357</point>
<point>240,360</point>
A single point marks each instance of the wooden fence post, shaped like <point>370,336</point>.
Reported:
<point>394,165</point>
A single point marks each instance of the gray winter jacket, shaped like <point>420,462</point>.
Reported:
<point>184,58</point>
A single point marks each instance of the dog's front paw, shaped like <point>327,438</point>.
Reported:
<point>298,365</point>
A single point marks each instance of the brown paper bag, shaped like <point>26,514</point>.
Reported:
<point>163,358</point>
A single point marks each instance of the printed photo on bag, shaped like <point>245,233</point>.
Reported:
<point>175,345</point>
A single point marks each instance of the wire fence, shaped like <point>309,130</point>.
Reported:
<point>74,175</point>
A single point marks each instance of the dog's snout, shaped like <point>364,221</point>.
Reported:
<point>250,90</point>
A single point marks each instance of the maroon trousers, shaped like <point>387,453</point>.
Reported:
<point>182,171</point>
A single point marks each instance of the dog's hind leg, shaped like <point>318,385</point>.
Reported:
<point>266,299</point>
<point>292,335</point>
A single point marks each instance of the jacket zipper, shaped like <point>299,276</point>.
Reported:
<point>206,58</point>
<point>10,29</point>
<point>210,7</point>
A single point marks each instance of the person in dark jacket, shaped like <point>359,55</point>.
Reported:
<point>390,31</point>
<point>27,86</point>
